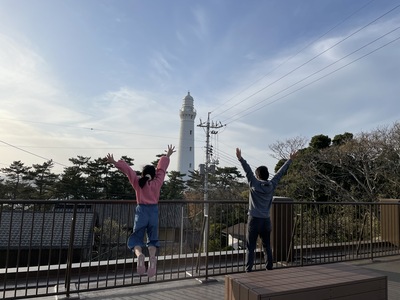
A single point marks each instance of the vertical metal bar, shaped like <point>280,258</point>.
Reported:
<point>70,253</point>
<point>30,254</point>
<point>397,238</point>
<point>200,247</point>
<point>301,234</point>
<point>50,245</point>
<point>100,253</point>
<point>61,242</point>
<point>83,239</point>
<point>194,222</point>
<point>43,227</point>
<point>109,243</point>
<point>313,233</point>
<point>206,237</point>
<point>8,246</point>
<point>181,231</point>
<point>219,209</point>
<point>329,225</point>
<point>371,232</point>
<point>120,230</point>
<point>20,235</point>
<point>125,237</point>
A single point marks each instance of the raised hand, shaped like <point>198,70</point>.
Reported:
<point>238,153</point>
<point>170,150</point>
<point>293,154</point>
<point>110,159</point>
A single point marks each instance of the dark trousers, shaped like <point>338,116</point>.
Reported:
<point>258,227</point>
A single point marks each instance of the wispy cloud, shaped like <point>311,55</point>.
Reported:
<point>200,26</point>
<point>241,65</point>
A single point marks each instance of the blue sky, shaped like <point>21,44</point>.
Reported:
<point>91,77</point>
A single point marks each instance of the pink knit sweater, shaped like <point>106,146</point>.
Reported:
<point>150,193</point>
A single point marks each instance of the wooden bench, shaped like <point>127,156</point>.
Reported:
<point>332,281</point>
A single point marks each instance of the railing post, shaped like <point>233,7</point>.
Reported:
<point>70,253</point>
<point>282,227</point>
<point>371,230</point>
<point>207,237</point>
<point>181,235</point>
<point>301,234</point>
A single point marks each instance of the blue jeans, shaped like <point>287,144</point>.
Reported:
<point>258,227</point>
<point>146,220</point>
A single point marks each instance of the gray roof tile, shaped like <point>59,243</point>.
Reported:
<point>28,229</point>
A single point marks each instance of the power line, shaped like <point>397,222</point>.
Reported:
<point>232,160</point>
<point>31,153</point>
<point>91,128</point>
<point>287,60</point>
<point>310,60</point>
<point>314,81</point>
<point>89,148</point>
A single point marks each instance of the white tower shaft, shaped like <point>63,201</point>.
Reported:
<point>186,137</point>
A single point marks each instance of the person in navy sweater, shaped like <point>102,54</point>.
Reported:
<point>260,200</point>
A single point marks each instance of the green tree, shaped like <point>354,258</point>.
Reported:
<point>320,142</point>
<point>195,186</point>
<point>17,180</point>
<point>2,189</point>
<point>117,185</point>
<point>226,184</point>
<point>43,180</point>
<point>73,184</point>
<point>216,241</point>
<point>96,171</point>
<point>363,167</point>
<point>174,188</point>
<point>342,139</point>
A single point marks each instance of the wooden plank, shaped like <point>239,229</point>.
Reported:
<point>375,295</point>
<point>228,288</point>
<point>354,288</point>
<point>325,293</point>
<point>316,282</point>
<point>235,290</point>
<point>243,292</point>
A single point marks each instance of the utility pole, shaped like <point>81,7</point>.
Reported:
<point>208,125</point>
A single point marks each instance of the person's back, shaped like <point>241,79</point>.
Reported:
<point>147,188</point>
<point>261,189</point>
<point>260,201</point>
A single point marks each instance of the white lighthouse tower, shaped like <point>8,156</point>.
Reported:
<point>186,137</point>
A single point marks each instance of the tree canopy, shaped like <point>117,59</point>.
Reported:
<point>360,167</point>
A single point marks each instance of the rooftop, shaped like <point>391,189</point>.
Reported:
<point>214,288</point>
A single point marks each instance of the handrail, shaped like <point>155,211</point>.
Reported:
<point>60,239</point>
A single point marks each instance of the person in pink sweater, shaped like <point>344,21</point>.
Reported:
<point>147,188</point>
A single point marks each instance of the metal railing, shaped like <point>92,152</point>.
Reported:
<point>65,247</point>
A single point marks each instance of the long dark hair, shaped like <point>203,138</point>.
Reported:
<point>147,170</point>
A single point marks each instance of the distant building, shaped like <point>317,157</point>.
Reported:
<point>30,238</point>
<point>236,236</point>
<point>186,137</point>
